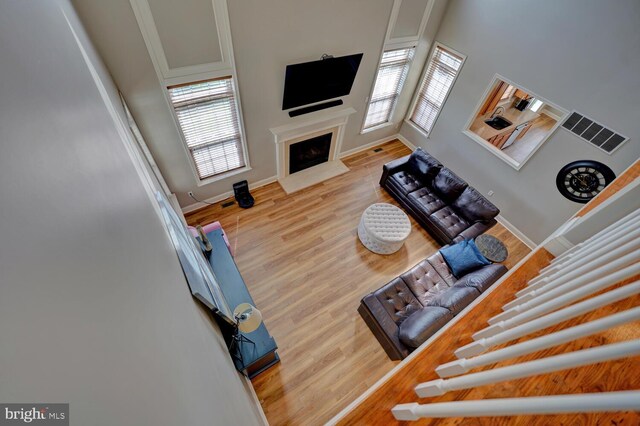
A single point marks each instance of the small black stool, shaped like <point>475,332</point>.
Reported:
<point>242,194</point>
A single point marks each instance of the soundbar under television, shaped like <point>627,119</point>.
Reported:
<point>316,81</point>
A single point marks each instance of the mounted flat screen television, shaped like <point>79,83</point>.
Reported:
<point>316,81</point>
<point>202,282</point>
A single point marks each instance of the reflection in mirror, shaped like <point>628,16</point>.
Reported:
<point>513,122</point>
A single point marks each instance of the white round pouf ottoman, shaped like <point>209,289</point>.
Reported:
<point>383,228</point>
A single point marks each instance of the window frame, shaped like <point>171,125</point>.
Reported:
<point>416,94</point>
<point>409,64</point>
<point>498,152</point>
<point>237,105</point>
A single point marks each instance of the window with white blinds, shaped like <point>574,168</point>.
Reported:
<point>441,73</point>
<point>208,117</point>
<point>392,72</point>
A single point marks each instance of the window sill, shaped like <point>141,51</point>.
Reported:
<point>495,151</point>
<point>222,176</point>
<point>417,129</point>
<point>378,127</point>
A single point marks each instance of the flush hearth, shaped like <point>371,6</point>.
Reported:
<point>308,149</point>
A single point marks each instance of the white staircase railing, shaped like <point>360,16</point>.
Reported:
<point>586,271</point>
<point>622,224</point>
<point>554,301</point>
<point>463,365</point>
<point>611,261</point>
<point>593,251</point>
<point>482,344</point>
<point>531,368</point>
<point>552,404</point>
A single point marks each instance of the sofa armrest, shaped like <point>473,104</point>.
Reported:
<point>474,230</point>
<point>383,327</point>
<point>483,278</point>
<point>393,167</point>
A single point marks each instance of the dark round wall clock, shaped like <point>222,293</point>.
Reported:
<point>582,180</point>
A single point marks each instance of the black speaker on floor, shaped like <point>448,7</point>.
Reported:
<point>242,194</point>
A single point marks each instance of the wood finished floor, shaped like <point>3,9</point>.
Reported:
<point>307,271</point>
<point>608,376</point>
<point>521,148</point>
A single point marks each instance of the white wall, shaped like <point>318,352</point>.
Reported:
<point>94,308</point>
<point>266,37</point>
<point>269,35</point>
<point>582,55</point>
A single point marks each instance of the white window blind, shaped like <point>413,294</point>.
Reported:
<point>208,118</point>
<point>389,81</point>
<point>441,73</point>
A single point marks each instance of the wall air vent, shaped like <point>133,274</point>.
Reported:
<point>594,133</point>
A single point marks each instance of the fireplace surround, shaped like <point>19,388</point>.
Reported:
<point>309,152</point>
<point>320,129</point>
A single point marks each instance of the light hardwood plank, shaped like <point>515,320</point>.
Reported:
<point>307,271</point>
<point>609,376</point>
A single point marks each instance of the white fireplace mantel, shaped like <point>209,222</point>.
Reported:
<point>304,128</point>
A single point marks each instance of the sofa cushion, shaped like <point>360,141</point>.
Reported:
<point>447,220</point>
<point>426,201</point>
<point>483,278</point>
<point>397,300</point>
<point>474,207</point>
<point>404,182</point>
<point>423,166</point>
<point>448,185</point>
<point>423,324</point>
<point>424,281</point>
<point>437,261</point>
<point>455,299</point>
<point>463,257</point>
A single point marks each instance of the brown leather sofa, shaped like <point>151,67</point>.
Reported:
<point>442,203</point>
<point>409,309</point>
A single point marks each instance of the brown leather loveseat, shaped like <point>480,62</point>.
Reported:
<point>442,203</point>
<point>409,309</point>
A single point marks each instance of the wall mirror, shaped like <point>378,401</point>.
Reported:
<point>513,122</point>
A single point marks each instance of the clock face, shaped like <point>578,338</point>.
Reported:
<point>580,181</point>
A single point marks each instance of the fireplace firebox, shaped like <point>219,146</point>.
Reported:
<point>309,153</point>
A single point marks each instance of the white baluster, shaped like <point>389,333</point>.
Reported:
<point>463,365</point>
<point>606,239</point>
<point>559,300</point>
<point>570,272</point>
<point>574,279</point>
<point>619,224</point>
<point>613,237</point>
<point>531,368</point>
<point>552,404</point>
<point>593,253</point>
<point>482,344</point>
<point>579,282</point>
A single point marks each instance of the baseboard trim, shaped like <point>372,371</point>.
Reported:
<point>366,146</point>
<point>197,206</point>
<point>257,405</point>
<point>405,141</point>
<point>375,143</point>
<point>515,231</point>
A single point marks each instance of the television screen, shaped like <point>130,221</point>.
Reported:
<point>202,282</point>
<point>316,81</point>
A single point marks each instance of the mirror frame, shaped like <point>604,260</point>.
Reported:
<point>497,152</point>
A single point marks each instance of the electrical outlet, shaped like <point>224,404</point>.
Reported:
<point>490,193</point>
